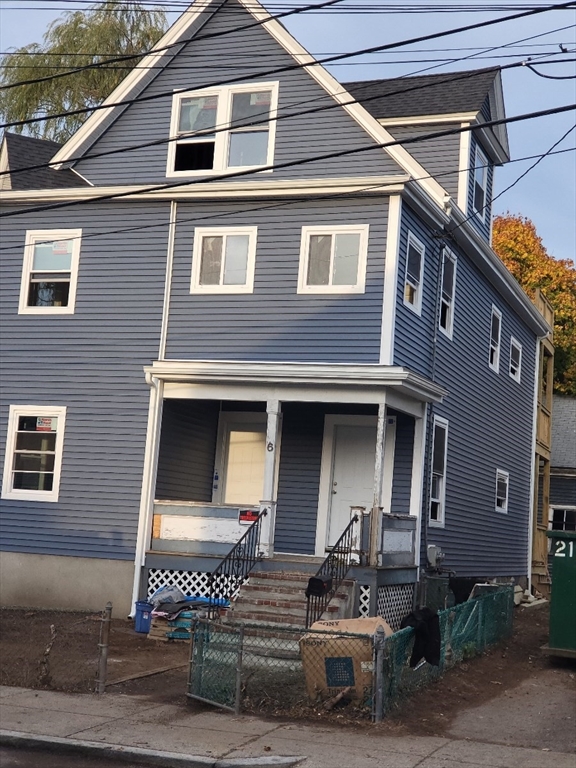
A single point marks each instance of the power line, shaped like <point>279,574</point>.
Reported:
<point>450,78</point>
<point>292,201</point>
<point>550,77</point>
<point>289,164</point>
<point>326,60</point>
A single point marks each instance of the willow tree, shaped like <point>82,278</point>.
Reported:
<point>515,240</point>
<point>76,39</point>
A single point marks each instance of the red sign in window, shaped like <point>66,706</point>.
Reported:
<point>248,515</point>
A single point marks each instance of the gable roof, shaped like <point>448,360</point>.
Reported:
<point>440,94</point>
<point>22,151</point>
<point>476,93</point>
<point>191,20</point>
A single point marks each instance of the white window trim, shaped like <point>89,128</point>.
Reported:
<point>199,234</point>
<point>440,523</point>
<point>496,365</point>
<point>501,474</point>
<point>330,229</point>
<point>449,330</point>
<point>518,375</point>
<point>32,410</point>
<point>480,160</point>
<point>419,245</point>
<point>34,236</point>
<point>222,137</point>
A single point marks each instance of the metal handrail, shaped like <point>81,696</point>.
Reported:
<point>333,571</point>
<point>235,567</point>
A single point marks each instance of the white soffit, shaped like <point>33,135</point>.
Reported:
<point>369,123</point>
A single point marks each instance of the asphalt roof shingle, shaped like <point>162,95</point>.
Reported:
<point>446,93</point>
<point>24,151</point>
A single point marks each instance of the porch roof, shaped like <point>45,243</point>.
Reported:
<point>287,381</point>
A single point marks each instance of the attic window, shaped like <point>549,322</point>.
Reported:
<point>231,127</point>
<point>480,183</point>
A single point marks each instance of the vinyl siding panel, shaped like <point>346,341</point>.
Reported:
<point>91,362</point>
<point>403,453</point>
<point>563,491</point>
<point>187,450</point>
<point>275,322</point>
<point>223,53</point>
<point>440,157</point>
<point>489,414</point>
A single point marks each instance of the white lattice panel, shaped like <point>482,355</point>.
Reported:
<point>189,582</point>
<point>395,601</point>
<point>364,601</point>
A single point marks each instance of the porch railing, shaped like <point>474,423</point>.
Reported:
<point>324,585</point>
<point>227,577</point>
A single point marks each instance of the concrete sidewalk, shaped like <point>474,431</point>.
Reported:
<point>215,738</point>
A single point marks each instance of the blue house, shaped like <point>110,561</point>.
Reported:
<point>243,286</point>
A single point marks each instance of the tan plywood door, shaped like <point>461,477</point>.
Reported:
<point>244,474</point>
<point>352,476</point>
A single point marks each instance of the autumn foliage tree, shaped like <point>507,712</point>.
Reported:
<point>516,242</point>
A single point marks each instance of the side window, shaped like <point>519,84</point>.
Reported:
<point>33,453</point>
<point>414,272</point>
<point>229,127</point>
<point>438,472</point>
<point>50,272</point>
<point>502,483</point>
<point>480,183</point>
<point>495,333</point>
<point>333,259</point>
<point>223,260</point>
<point>515,359</point>
<point>448,291</point>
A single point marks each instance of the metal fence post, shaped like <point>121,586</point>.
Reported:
<point>379,643</point>
<point>103,648</point>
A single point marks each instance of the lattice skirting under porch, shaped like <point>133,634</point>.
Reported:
<point>189,582</point>
<point>364,601</point>
<point>395,601</point>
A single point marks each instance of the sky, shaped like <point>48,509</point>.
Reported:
<point>547,195</point>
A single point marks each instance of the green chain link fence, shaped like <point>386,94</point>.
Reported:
<point>294,672</point>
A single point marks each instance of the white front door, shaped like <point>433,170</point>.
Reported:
<point>352,485</point>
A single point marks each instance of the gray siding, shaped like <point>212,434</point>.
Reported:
<point>483,227</point>
<point>563,491</point>
<point>242,55</point>
<point>563,432</point>
<point>187,450</point>
<point>440,157</point>
<point>275,322</point>
<point>403,454</point>
<point>489,414</point>
<point>91,362</point>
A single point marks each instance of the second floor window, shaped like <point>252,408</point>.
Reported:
<point>414,271</point>
<point>448,289</point>
<point>333,259</point>
<point>502,482</point>
<point>50,271</point>
<point>515,359</point>
<point>223,260</point>
<point>226,128</point>
<point>495,332</point>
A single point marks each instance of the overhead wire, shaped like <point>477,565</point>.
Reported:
<point>147,189</point>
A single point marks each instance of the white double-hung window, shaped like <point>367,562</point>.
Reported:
<point>33,453</point>
<point>50,272</point>
<point>333,259</point>
<point>231,127</point>
<point>414,273</point>
<point>502,484</point>
<point>479,192</point>
<point>515,367</point>
<point>223,260</point>
<point>495,333</point>
<point>448,290</point>
<point>438,472</point>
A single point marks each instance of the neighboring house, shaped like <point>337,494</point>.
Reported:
<point>563,461</point>
<point>334,332</point>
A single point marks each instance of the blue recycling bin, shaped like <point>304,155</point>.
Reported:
<point>143,617</point>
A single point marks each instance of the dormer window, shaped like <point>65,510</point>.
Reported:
<point>226,128</point>
<point>480,183</point>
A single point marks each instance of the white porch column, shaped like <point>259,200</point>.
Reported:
<point>376,516</point>
<point>270,465</point>
<point>417,484</point>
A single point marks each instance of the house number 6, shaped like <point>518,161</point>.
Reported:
<point>270,447</point>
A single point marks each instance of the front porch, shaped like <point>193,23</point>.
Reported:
<point>311,456</point>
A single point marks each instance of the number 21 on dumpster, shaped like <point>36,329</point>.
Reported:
<point>562,546</point>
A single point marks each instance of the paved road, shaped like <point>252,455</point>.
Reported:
<point>28,758</point>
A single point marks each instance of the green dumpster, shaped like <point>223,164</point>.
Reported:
<point>562,640</point>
